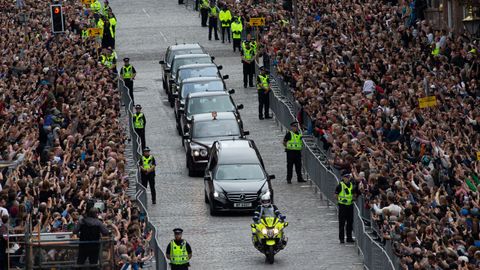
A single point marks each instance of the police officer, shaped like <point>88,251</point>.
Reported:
<point>263,87</point>
<point>248,55</point>
<point>204,7</point>
<point>225,20</point>
<point>139,123</point>
<point>147,172</point>
<point>179,252</point>
<point>128,73</point>
<point>250,41</point>
<point>346,193</point>
<point>293,146</point>
<point>237,29</point>
<point>212,21</point>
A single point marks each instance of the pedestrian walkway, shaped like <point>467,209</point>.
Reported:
<point>222,242</point>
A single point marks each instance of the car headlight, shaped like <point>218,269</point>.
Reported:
<point>196,153</point>
<point>217,194</point>
<point>275,231</point>
<point>203,153</point>
<point>264,231</point>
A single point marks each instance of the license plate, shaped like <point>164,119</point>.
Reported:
<point>242,205</point>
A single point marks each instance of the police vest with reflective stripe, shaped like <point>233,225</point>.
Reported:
<point>107,60</point>
<point>127,72</point>
<point>237,29</point>
<point>295,142</point>
<point>225,17</point>
<point>263,82</point>
<point>178,253</point>
<point>147,162</point>
<point>213,12</point>
<point>248,53</point>
<point>345,196</point>
<point>85,33</point>
<point>138,121</point>
<point>96,6</point>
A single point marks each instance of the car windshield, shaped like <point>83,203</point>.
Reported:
<point>216,128</point>
<point>187,61</point>
<point>196,87</point>
<point>172,54</point>
<point>208,104</point>
<point>239,172</point>
<point>197,72</point>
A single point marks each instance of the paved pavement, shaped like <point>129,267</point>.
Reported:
<point>145,29</point>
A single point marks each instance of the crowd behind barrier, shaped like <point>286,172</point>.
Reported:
<point>59,118</point>
<point>353,73</point>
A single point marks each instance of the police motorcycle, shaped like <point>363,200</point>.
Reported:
<point>267,231</point>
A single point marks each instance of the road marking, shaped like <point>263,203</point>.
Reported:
<point>146,13</point>
<point>305,186</point>
<point>164,37</point>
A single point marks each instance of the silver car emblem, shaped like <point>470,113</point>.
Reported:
<point>242,197</point>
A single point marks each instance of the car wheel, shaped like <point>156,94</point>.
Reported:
<point>206,197</point>
<point>213,212</point>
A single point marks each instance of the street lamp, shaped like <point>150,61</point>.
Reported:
<point>471,22</point>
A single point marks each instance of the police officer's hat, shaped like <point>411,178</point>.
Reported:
<point>177,230</point>
<point>126,59</point>
<point>262,67</point>
<point>146,149</point>
<point>295,123</point>
<point>138,106</point>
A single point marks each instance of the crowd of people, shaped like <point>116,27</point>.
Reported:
<point>358,69</point>
<point>61,132</point>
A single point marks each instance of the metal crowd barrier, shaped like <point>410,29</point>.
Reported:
<point>141,192</point>
<point>375,254</point>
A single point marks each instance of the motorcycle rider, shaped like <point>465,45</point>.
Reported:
<point>265,203</point>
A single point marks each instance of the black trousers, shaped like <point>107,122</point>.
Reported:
<point>129,85</point>
<point>90,252</point>
<point>263,103</point>
<point>236,44</point>
<point>149,179</point>
<point>178,267</point>
<point>196,4</point>
<point>141,134</point>
<point>345,215</point>
<point>212,25</point>
<point>204,14</point>
<point>294,157</point>
<point>226,29</point>
<point>248,71</point>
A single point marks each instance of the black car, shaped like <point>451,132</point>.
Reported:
<point>180,60</point>
<point>177,49</point>
<point>196,70</point>
<point>195,85</point>
<point>235,178</point>
<point>205,102</point>
<point>203,131</point>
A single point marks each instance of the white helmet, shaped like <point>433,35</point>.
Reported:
<point>265,199</point>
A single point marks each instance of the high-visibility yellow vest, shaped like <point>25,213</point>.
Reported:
<point>96,6</point>
<point>100,23</point>
<point>138,121</point>
<point>84,33</point>
<point>225,18</point>
<point>284,22</point>
<point>436,51</point>
<point>147,162</point>
<point>127,72</point>
<point>213,12</point>
<point>205,4</point>
<point>248,54</point>
<point>253,45</point>
<point>107,60</point>
<point>295,142</point>
<point>178,253</point>
<point>113,23</point>
<point>345,196</point>
<point>237,29</point>
<point>263,82</point>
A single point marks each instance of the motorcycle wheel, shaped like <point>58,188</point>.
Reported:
<point>270,256</point>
